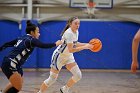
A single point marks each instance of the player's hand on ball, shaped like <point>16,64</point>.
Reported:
<point>88,46</point>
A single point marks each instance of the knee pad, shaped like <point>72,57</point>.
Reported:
<point>77,75</point>
<point>52,78</point>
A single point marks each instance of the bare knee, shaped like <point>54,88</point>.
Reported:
<point>16,80</point>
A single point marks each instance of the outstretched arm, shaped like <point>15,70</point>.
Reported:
<point>77,48</point>
<point>37,43</point>
<point>8,44</point>
<point>80,44</point>
<point>135,45</point>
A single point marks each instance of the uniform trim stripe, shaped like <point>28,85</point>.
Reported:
<point>54,61</point>
<point>56,55</point>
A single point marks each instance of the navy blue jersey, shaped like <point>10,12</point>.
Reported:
<point>23,47</point>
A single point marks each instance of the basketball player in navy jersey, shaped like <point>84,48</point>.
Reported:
<point>23,47</point>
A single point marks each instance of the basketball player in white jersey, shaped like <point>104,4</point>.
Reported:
<point>63,56</point>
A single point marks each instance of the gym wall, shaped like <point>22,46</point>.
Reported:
<point>116,37</point>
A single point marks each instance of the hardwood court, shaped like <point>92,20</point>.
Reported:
<point>93,81</point>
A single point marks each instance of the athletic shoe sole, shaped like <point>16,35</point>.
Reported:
<point>61,90</point>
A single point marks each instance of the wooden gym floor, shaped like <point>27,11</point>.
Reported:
<point>93,81</point>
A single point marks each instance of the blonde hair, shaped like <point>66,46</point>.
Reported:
<point>68,24</point>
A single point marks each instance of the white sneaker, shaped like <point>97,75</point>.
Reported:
<point>64,89</point>
<point>39,91</point>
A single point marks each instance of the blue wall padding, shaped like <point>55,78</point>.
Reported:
<point>50,33</point>
<point>9,30</point>
<point>116,37</point>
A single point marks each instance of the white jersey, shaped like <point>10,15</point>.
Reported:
<point>61,55</point>
<point>68,37</point>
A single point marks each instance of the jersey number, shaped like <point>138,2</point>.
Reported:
<point>19,41</point>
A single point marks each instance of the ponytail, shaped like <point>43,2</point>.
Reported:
<point>30,27</point>
<point>66,27</point>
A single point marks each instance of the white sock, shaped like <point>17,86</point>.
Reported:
<point>1,91</point>
<point>66,87</point>
<point>39,92</point>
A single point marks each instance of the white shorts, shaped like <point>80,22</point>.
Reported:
<point>61,59</point>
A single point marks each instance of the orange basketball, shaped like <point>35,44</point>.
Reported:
<point>97,45</point>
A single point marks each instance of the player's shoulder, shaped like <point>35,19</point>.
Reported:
<point>25,38</point>
<point>68,31</point>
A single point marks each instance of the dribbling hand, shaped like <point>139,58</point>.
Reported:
<point>88,46</point>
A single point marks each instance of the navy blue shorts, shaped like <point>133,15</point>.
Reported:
<point>9,67</point>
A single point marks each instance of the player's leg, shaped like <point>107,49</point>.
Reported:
<point>74,69</point>
<point>48,82</point>
<point>77,75</point>
<point>16,81</point>
<point>9,85</point>
<point>55,69</point>
<point>14,75</point>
